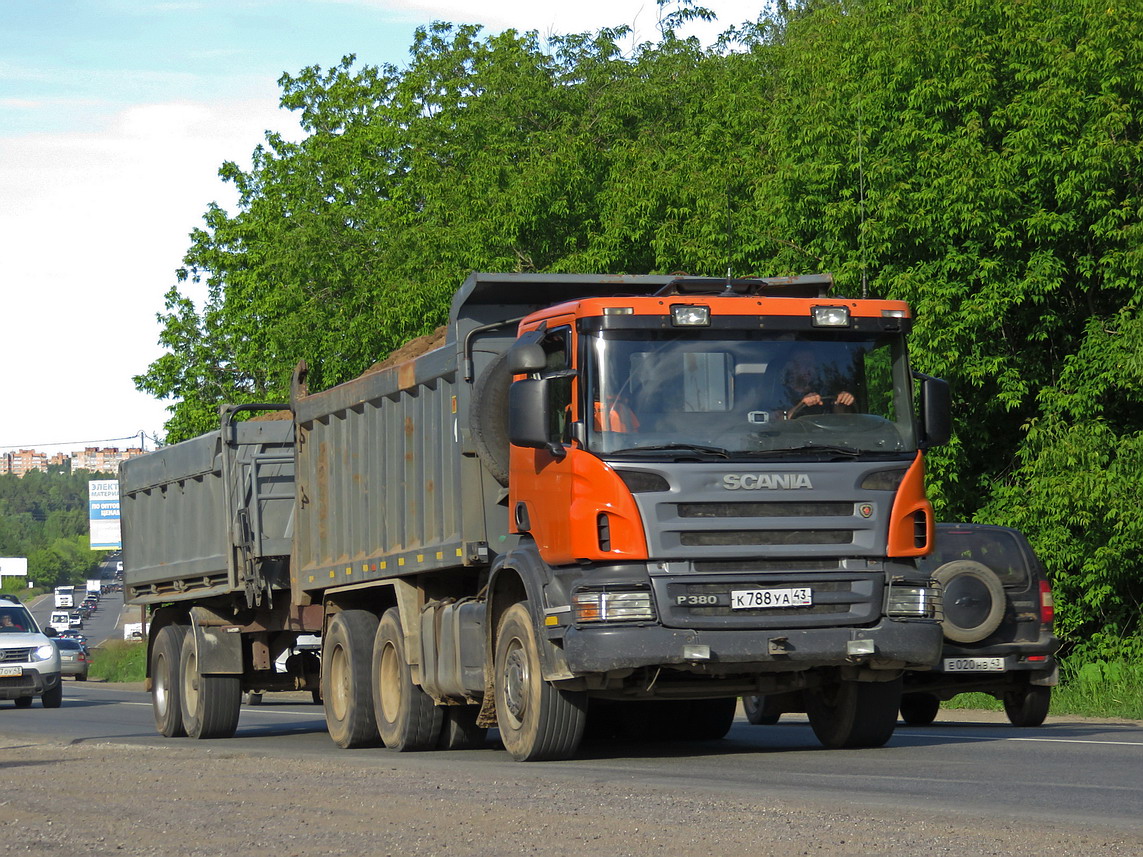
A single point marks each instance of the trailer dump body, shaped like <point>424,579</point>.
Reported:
<point>626,499</point>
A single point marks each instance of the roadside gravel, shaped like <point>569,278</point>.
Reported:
<point>105,798</point>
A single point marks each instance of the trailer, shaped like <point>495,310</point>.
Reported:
<point>623,500</point>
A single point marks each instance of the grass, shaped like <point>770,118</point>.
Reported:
<point>1097,689</point>
<point>120,660</point>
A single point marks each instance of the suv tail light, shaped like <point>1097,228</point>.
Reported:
<point>1047,604</point>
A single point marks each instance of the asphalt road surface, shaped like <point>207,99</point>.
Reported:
<point>972,785</point>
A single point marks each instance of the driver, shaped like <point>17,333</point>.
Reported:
<point>803,384</point>
<point>8,624</point>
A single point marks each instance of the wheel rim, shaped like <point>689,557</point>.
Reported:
<point>190,683</point>
<point>161,687</point>
<point>517,679</point>
<point>389,680</point>
<point>339,683</point>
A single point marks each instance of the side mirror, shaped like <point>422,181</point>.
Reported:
<point>50,631</point>
<point>936,411</point>
<point>528,413</point>
<point>529,403</point>
<point>526,358</point>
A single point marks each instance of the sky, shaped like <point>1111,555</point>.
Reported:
<point>115,116</point>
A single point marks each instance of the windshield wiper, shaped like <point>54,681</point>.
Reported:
<point>676,447</point>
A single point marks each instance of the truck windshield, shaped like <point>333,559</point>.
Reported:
<point>744,394</point>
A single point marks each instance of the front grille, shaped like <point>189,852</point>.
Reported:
<point>765,510</point>
<point>734,566</point>
<point>15,656</point>
<point>713,538</point>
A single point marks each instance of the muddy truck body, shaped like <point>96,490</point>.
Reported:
<point>603,504</point>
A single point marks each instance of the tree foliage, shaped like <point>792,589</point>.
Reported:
<point>978,158</point>
<point>43,516</point>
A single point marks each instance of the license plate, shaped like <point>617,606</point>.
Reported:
<point>11,672</point>
<point>754,599</point>
<point>974,665</point>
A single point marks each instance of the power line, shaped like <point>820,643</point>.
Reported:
<point>141,436</point>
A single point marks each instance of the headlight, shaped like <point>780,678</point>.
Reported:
<point>613,606</point>
<point>830,316</point>
<point>44,652</point>
<point>685,315</point>
<point>914,602</point>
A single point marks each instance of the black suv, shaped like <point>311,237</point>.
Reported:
<point>998,626</point>
<point>998,630</point>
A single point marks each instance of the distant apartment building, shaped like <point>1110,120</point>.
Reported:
<point>23,461</point>
<point>95,459</point>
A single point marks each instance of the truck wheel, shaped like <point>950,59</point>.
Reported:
<point>345,685</point>
<point>537,720</point>
<point>210,703</point>
<point>759,711</point>
<point>459,730</point>
<point>919,709</point>
<point>53,698</point>
<point>1028,706</point>
<point>407,717</point>
<point>166,701</point>
<point>849,714</point>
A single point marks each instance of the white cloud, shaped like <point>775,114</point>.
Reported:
<point>93,227</point>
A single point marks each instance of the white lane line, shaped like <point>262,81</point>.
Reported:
<point>1033,740</point>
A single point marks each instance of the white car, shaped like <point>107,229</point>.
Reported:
<point>29,660</point>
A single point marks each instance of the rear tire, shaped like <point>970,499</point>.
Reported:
<point>851,714</point>
<point>537,720</point>
<point>166,699</point>
<point>210,703</point>
<point>345,679</point>
<point>407,718</point>
<point>919,708</point>
<point>1028,706</point>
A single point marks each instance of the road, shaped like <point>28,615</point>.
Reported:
<point>1077,779</point>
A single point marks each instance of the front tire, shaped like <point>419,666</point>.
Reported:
<point>759,710</point>
<point>919,708</point>
<point>23,701</point>
<point>1028,706</point>
<point>537,720</point>
<point>345,679</point>
<point>210,703</point>
<point>166,700</point>
<point>851,714</point>
<point>53,698</point>
<point>407,718</point>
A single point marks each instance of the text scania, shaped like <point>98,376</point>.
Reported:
<point>771,481</point>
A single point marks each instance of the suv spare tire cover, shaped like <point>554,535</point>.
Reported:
<point>488,417</point>
<point>973,598</point>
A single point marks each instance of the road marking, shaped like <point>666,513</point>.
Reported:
<point>1007,738</point>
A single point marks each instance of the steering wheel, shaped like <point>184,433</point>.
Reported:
<point>793,412</point>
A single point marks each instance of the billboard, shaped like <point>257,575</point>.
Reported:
<point>103,514</point>
<point>13,566</point>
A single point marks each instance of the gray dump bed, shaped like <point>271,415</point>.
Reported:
<point>205,517</point>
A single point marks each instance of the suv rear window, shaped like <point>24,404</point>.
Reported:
<point>997,549</point>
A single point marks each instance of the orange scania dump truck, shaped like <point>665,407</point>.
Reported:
<point>610,504</point>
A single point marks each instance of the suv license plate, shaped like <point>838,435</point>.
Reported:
<point>974,665</point>
<point>11,672</point>
<point>753,599</point>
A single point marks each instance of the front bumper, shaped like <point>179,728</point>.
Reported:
<point>896,645</point>
<point>31,683</point>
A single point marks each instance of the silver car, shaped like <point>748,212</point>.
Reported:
<point>29,660</point>
<point>75,659</point>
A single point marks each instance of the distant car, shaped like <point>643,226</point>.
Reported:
<point>998,615</point>
<point>29,660</point>
<point>75,620</point>
<point>73,635</point>
<point>75,660</point>
<point>59,621</point>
